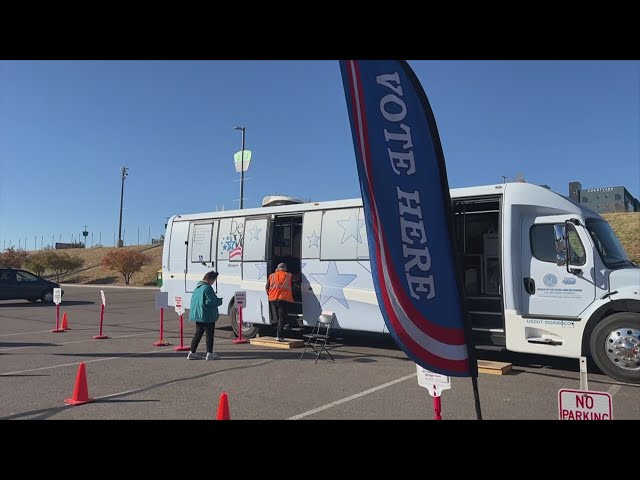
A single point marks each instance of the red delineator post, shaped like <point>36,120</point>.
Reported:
<point>57,329</point>
<point>161,342</point>
<point>101,336</point>
<point>240,339</point>
<point>436,407</point>
<point>181,348</point>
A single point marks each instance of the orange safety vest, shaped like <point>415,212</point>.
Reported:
<point>280,286</point>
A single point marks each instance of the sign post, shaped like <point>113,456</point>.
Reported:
<point>57,299</point>
<point>162,301</point>
<point>584,382</point>
<point>180,311</point>
<point>241,299</point>
<point>100,336</point>
<point>584,405</point>
<point>435,384</point>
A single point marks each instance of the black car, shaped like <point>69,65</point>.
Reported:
<point>20,284</point>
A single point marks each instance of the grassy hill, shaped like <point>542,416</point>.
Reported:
<point>93,273</point>
<point>626,226</point>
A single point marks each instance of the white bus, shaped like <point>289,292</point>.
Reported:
<point>541,273</point>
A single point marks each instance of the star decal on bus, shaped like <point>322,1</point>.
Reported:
<point>351,227</point>
<point>254,233</point>
<point>313,240</point>
<point>333,284</point>
<point>262,270</point>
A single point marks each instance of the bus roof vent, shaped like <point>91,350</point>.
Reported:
<point>275,200</point>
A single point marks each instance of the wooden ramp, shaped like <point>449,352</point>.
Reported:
<point>493,368</point>
<point>271,342</point>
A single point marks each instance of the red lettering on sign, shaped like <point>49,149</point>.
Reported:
<point>585,406</point>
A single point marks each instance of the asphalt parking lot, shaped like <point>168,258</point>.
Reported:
<point>132,379</point>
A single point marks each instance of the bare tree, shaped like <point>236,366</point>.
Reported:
<point>12,258</point>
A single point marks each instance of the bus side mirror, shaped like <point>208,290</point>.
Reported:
<point>561,247</point>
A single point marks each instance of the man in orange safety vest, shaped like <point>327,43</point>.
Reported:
<point>280,295</point>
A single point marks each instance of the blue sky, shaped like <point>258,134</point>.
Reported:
<point>66,128</point>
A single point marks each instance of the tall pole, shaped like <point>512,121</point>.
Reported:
<point>241,168</point>
<point>242,172</point>
<point>123,171</point>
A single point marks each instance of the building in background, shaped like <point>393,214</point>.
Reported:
<point>604,199</point>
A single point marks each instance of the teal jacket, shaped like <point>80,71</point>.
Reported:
<point>204,304</point>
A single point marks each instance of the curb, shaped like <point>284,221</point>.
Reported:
<point>108,286</point>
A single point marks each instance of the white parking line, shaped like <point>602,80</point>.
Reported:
<point>95,360</point>
<point>67,343</point>
<point>614,389</point>
<point>25,333</point>
<point>51,367</point>
<point>170,383</point>
<point>352,397</point>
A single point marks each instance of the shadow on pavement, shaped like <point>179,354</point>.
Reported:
<point>27,344</point>
<point>26,304</point>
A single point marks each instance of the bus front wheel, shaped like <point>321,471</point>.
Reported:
<point>615,346</point>
<point>249,330</point>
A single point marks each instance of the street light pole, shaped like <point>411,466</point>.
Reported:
<point>241,168</point>
<point>124,171</point>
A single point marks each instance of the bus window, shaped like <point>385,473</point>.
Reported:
<point>311,235</point>
<point>341,234</point>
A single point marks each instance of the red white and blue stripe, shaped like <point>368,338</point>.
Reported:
<point>431,331</point>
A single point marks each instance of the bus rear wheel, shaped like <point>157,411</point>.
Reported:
<point>249,330</point>
<point>615,346</point>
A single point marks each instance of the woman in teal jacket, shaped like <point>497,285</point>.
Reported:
<point>204,311</point>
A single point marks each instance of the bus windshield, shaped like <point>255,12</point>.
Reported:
<point>608,245</point>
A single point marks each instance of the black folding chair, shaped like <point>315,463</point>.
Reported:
<point>319,336</point>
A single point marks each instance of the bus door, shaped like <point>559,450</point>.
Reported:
<point>201,251</point>
<point>553,296</point>
<point>311,230</point>
<point>254,271</point>
<point>285,247</point>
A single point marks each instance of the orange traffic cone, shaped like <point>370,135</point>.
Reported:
<point>80,391</point>
<point>223,408</point>
<point>64,325</point>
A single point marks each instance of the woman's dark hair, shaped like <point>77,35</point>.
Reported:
<point>211,276</point>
